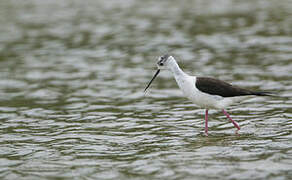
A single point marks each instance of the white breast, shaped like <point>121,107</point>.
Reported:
<point>188,85</point>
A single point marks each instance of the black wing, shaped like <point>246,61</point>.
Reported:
<point>224,89</point>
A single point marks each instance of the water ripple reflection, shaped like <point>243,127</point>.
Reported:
<point>72,79</point>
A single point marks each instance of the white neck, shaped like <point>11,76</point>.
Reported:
<point>176,70</point>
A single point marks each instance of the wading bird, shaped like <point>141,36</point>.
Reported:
<point>208,93</point>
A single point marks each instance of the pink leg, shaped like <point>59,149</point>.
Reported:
<point>233,122</point>
<point>206,122</point>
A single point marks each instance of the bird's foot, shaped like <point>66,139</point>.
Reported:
<point>236,132</point>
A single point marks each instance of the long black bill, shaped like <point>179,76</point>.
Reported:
<point>157,72</point>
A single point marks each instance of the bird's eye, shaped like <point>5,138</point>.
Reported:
<point>161,64</point>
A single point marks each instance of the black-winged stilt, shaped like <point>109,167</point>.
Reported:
<point>205,92</point>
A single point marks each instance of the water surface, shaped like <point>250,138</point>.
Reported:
<point>72,75</point>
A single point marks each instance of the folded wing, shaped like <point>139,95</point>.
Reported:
<point>220,88</point>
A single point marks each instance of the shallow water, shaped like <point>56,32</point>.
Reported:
<point>71,89</point>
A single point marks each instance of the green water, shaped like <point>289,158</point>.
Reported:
<point>72,75</point>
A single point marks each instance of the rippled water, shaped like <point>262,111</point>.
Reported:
<point>72,75</point>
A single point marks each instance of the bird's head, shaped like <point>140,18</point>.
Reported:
<point>164,62</point>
